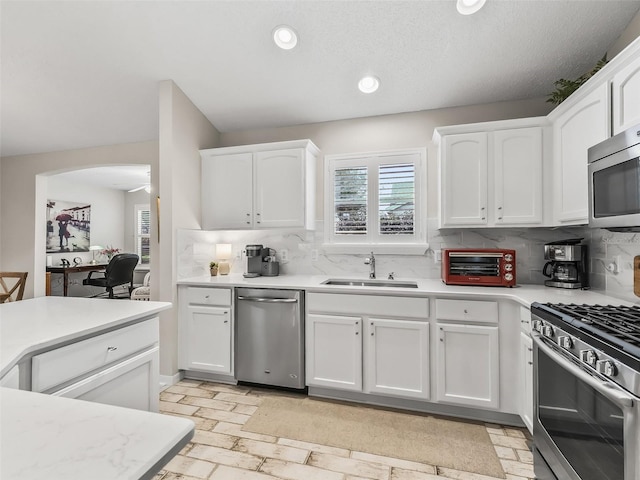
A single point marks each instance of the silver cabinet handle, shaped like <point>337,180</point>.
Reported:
<point>111,349</point>
<point>269,300</point>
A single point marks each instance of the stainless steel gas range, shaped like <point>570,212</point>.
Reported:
<point>586,392</point>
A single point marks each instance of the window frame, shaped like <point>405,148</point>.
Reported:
<point>372,161</point>
<point>138,207</point>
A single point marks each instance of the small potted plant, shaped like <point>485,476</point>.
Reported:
<point>213,268</point>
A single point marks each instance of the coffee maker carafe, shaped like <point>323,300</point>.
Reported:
<point>567,265</point>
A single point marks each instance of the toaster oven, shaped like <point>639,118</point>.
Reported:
<point>479,266</point>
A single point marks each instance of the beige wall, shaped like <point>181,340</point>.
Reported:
<point>629,35</point>
<point>23,196</point>
<point>183,131</point>
<point>386,132</point>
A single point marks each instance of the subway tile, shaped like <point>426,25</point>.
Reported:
<point>223,456</point>
<point>349,465</point>
<point>296,471</point>
<point>271,450</point>
<point>394,462</point>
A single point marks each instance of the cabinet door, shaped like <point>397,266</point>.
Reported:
<point>468,365</point>
<point>397,358</point>
<point>625,88</point>
<point>131,384</point>
<point>227,191</point>
<point>582,126</point>
<point>518,176</point>
<point>207,343</point>
<point>526,374</point>
<point>464,180</point>
<point>280,189</point>
<point>334,351</point>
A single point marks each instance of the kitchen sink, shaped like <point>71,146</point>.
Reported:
<point>370,283</point>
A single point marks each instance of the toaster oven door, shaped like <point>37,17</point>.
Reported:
<point>472,269</point>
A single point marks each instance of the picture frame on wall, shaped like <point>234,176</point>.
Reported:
<point>68,226</point>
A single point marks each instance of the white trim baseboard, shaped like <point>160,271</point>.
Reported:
<point>167,380</point>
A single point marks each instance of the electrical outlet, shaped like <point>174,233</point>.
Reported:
<point>437,255</point>
<point>284,255</point>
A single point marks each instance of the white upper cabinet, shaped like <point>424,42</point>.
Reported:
<point>269,185</point>
<point>625,91</point>
<point>491,176</point>
<point>580,126</point>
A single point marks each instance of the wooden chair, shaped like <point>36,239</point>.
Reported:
<point>12,286</point>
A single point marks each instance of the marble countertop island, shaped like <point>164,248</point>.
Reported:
<point>48,437</point>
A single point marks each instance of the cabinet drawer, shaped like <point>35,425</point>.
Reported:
<point>525,319</point>
<point>66,363</point>
<point>380,306</point>
<point>209,296</point>
<point>467,310</point>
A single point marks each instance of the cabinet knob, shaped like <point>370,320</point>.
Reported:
<point>257,214</point>
<point>499,208</point>
<point>248,223</point>
<point>111,349</point>
<point>465,311</point>
<point>483,218</point>
<point>372,334</point>
<point>226,321</point>
<point>248,214</point>
<point>357,333</point>
<point>482,208</point>
<point>206,296</point>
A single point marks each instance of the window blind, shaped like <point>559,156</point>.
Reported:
<point>350,201</point>
<point>143,228</point>
<point>396,199</point>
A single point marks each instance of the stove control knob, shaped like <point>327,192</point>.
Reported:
<point>508,257</point>
<point>536,325</point>
<point>565,342</point>
<point>589,357</point>
<point>607,368</point>
<point>547,331</point>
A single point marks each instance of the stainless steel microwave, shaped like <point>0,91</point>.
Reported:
<point>614,182</point>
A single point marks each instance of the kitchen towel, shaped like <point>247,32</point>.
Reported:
<point>444,442</point>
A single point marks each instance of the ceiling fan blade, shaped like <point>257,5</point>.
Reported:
<point>136,189</point>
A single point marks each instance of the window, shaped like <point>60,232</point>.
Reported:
<point>142,231</point>
<point>375,198</point>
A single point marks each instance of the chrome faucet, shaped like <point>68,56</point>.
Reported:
<point>371,261</point>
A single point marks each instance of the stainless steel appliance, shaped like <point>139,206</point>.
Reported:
<point>270,337</point>
<point>260,261</point>
<point>614,182</point>
<point>479,266</point>
<point>586,392</point>
<point>567,265</point>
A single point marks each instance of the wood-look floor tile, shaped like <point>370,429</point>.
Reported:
<point>225,457</point>
<point>208,403</point>
<point>236,430</point>
<point>221,415</point>
<point>296,471</point>
<point>224,472</point>
<point>191,467</point>
<point>339,452</point>
<point>349,466</point>
<point>394,462</point>
<point>271,450</point>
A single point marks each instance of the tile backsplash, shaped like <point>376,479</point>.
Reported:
<point>306,255</point>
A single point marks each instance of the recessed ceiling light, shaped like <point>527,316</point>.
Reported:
<point>285,37</point>
<point>468,7</point>
<point>368,84</point>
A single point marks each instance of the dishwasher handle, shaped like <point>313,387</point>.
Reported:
<point>269,300</point>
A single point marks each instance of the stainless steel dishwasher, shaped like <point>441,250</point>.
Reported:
<point>270,337</point>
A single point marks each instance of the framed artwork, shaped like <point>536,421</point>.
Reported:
<point>68,226</point>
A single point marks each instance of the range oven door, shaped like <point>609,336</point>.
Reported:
<point>585,427</point>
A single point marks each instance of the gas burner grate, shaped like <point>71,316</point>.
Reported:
<point>620,322</point>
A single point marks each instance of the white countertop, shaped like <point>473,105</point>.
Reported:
<point>43,436</point>
<point>40,323</point>
<point>523,294</point>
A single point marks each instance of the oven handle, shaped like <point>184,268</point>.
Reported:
<point>616,396</point>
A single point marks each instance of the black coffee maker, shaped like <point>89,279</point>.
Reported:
<point>567,266</point>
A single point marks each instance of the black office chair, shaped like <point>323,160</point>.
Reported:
<point>119,271</point>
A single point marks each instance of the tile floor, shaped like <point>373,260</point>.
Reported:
<point>221,450</point>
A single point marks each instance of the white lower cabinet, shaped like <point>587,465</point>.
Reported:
<point>397,357</point>
<point>526,385</point>
<point>205,330</point>
<point>468,365</point>
<point>361,343</point>
<point>209,330</point>
<point>334,351</point>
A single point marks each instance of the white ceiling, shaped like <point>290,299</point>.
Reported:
<point>121,177</point>
<point>85,73</point>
